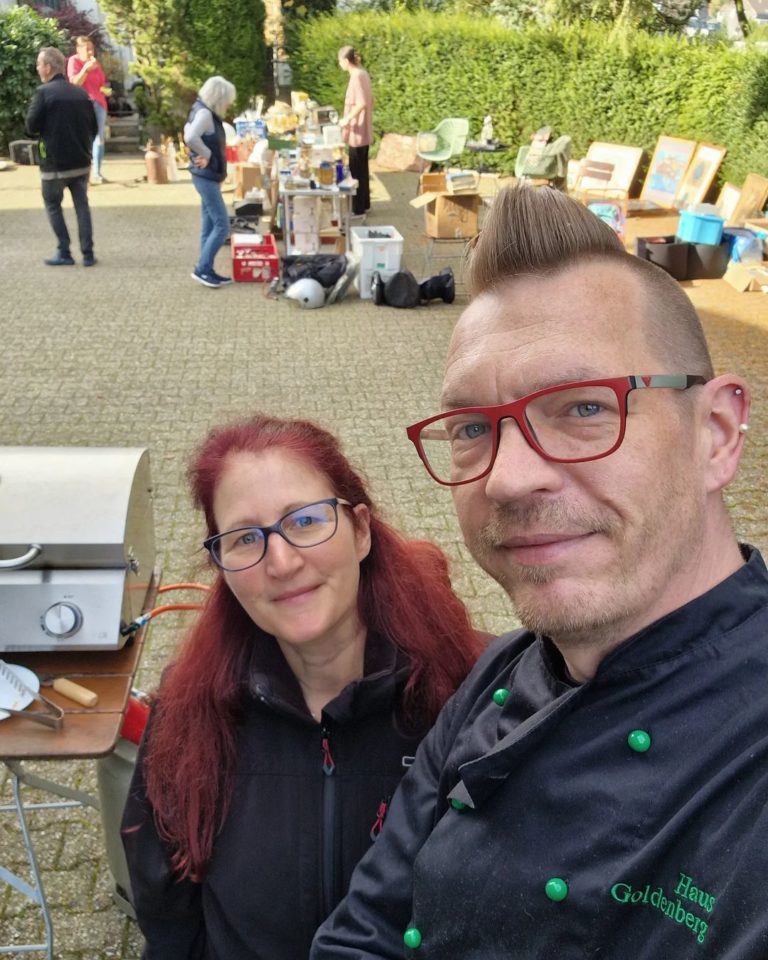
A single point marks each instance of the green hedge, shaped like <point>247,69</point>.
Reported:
<point>588,81</point>
<point>22,34</point>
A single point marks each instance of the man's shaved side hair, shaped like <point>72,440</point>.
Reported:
<point>540,232</point>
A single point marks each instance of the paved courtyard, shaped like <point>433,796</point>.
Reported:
<point>134,353</point>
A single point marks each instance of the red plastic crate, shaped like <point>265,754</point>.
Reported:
<point>254,261</point>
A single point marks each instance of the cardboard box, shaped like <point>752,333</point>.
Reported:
<point>247,177</point>
<point>254,258</point>
<point>447,216</point>
<point>746,277</point>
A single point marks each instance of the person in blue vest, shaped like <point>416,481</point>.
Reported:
<point>205,137</point>
<point>598,786</point>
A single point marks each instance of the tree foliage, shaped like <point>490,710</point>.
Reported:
<point>178,44</point>
<point>653,15</point>
<point>74,23</point>
<point>302,9</point>
<point>22,33</point>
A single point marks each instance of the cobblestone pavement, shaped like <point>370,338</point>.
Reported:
<point>134,353</point>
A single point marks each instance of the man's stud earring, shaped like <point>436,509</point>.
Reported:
<point>738,391</point>
<point>743,427</point>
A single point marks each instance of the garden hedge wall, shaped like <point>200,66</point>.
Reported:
<point>585,80</point>
<point>23,32</point>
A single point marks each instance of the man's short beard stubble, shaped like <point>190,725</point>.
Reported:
<point>587,615</point>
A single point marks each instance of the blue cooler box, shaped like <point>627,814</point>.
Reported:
<point>700,228</point>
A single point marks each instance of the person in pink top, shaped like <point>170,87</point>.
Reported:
<point>357,126</point>
<point>84,70</point>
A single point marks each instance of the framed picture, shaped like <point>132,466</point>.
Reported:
<point>669,163</point>
<point>699,176</point>
<point>727,202</point>
<point>754,196</point>
<point>625,161</point>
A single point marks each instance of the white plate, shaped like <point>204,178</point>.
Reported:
<point>10,696</point>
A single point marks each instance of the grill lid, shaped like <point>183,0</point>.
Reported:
<point>82,506</point>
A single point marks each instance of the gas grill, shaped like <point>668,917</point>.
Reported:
<point>77,546</point>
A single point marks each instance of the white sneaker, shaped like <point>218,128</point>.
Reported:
<point>96,180</point>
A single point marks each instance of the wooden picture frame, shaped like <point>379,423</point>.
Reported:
<point>625,161</point>
<point>727,201</point>
<point>669,163</point>
<point>754,196</point>
<point>698,177</point>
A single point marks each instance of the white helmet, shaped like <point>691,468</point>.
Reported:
<point>308,292</point>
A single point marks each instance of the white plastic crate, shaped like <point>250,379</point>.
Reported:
<point>364,279</point>
<point>381,252</point>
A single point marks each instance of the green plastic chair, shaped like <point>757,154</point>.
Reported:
<point>445,141</point>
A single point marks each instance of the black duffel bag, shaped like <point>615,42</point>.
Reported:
<point>326,268</point>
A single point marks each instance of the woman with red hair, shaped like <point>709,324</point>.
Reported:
<point>324,652</point>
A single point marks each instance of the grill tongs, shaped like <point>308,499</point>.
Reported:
<point>50,715</point>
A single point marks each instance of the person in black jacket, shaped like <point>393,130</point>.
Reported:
<point>205,137</point>
<point>598,787</point>
<point>326,648</point>
<point>61,115</point>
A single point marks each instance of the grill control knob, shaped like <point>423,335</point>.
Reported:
<point>62,620</point>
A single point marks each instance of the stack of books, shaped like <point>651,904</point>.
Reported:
<point>462,181</point>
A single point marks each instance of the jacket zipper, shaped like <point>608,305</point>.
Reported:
<point>378,823</point>
<point>330,881</point>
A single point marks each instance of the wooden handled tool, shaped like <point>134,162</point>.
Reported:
<point>73,691</point>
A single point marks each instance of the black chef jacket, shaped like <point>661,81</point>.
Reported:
<point>622,818</point>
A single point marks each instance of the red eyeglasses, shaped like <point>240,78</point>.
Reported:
<point>568,423</point>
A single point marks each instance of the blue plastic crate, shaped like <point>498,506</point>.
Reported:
<point>700,228</point>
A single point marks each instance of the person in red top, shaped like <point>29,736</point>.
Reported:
<point>84,70</point>
<point>357,126</point>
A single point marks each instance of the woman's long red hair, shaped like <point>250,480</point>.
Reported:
<point>405,595</point>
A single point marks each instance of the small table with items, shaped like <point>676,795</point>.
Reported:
<point>306,224</point>
<point>479,147</point>
<point>84,733</point>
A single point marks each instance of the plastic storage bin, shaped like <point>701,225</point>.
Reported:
<point>254,259</point>
<point>378,248</point>
<point>666,252</point>
<point>363,281</point>
<point>707,261</point>
<point>700,227</point>
<point>25,151</point>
